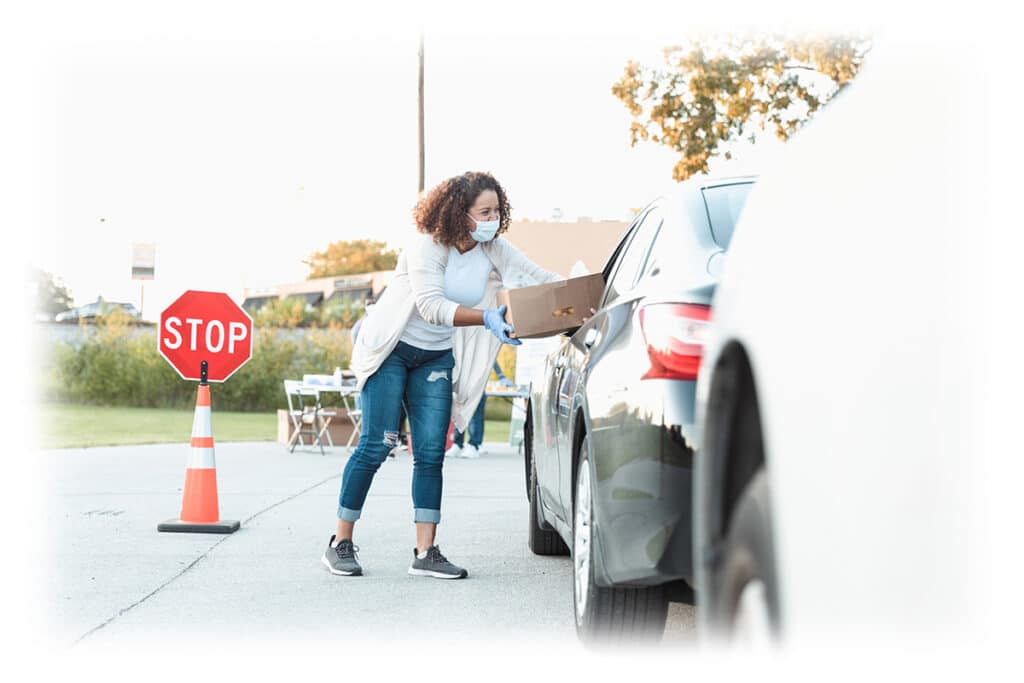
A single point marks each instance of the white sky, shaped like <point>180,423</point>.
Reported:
<point>239,155</point>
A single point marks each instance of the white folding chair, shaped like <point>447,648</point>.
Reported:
<point>355,415</point>
<point>304,417</point>
<point>325,416</point>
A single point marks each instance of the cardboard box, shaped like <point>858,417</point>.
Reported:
<point>552,308</point>
<point>340,428</point>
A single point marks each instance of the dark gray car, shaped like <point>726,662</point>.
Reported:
<point>608,459</point>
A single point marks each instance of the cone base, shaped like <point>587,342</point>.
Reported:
<point>225,526</point>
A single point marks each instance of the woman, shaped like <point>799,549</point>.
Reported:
<point>430,343</point>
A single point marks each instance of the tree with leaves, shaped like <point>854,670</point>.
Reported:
<point>351,258</point>
<point>717,90</point>
<point>52,296</point>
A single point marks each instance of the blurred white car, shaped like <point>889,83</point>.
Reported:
<point>833,477</point>
<point>96,309</point>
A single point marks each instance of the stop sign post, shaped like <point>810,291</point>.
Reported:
<point>205,326</point>
<point>205,336</point>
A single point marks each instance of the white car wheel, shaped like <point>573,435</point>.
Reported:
<point>607,612</point>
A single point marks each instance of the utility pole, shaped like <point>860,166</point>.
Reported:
<point>420,191</point>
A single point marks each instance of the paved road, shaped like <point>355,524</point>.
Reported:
<point>117,579</point>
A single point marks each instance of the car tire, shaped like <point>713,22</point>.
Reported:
<point>528,447</point>
<point>612,613</point>
<point>743,602</point>
<point>542,541</point>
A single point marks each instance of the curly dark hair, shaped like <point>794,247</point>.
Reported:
<point>444,211</point>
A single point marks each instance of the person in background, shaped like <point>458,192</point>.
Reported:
<point>476,425</point>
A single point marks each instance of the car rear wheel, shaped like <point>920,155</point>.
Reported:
<point>528,446</point>
<point>607,613</point>
<point>542,541</point>
<point>743,606</point>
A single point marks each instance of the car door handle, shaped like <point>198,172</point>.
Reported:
<point>591,338</point>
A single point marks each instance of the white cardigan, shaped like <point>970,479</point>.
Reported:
<point>419,282</point>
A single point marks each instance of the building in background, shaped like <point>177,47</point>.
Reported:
<point>316,292</point>
<point>557,245</point>
<point>553,245</point>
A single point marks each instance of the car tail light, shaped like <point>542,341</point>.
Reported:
<point>675,335</point>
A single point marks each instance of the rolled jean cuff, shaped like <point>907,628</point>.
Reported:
<point>426,515</point>
<point>349,515</point>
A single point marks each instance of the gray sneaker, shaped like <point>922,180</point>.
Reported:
<point>435,564</point>
<point>341,559</point>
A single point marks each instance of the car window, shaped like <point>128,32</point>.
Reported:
<point>666,248</point>
<point>724,204</point>
<point>609,266</point>
<point>632,257</point>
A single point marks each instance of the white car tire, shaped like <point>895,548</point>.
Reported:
<point>542,541</point>
<point>607,613</point>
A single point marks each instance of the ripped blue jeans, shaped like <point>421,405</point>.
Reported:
<point>423,380</point>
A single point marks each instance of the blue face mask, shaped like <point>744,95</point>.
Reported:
<point>485,230</point>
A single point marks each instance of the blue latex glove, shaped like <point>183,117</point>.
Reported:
<point>494,320</point>
<point>506,382</point>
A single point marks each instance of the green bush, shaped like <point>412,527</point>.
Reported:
<point>119,366</point>
<point>284,313</point>
<point>293,312</point>
<point>342,311</point>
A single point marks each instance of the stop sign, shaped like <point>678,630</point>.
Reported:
<point>206,326</point>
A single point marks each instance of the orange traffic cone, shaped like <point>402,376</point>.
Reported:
<point>199,509</point>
